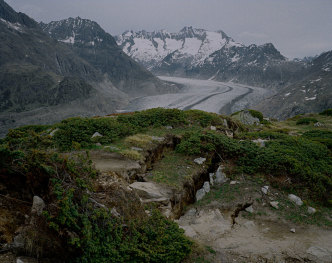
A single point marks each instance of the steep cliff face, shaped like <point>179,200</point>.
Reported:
<point>85,73</point>
<point>90,42</point>
<point>42,80</point>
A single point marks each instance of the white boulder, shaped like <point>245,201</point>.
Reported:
<point>265,189</point>
<point>295,199</point>
<point>275,204</point>
<point>211,175</point>
<point>206,187</point>
<point>220,176</point>
<point>200,194</point>
<point>260,142</point>
<point>96,134</point>
<point>38,205</point>
<point>311,210</point>
<point>250,209</point>
<point>200,160</point>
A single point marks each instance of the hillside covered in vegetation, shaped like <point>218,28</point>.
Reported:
<point>73,191</point>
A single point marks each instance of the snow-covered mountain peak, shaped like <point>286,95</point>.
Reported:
<point>78,31</point>
<point>151,48</point>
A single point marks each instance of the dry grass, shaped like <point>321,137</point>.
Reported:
<point>132,154</point>
<point>139,140</point>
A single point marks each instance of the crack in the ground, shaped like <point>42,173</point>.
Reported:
<point>239,208</point>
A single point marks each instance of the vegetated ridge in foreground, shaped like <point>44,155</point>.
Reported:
<point>79,221</point>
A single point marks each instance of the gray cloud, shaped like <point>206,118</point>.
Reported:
<point>296,27</point>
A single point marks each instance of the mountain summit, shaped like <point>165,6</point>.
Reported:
<point>151,48</point>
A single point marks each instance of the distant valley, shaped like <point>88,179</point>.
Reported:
<point>299,85</point>
<point>73,67</point>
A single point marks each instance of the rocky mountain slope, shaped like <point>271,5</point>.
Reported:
<point>89,41</point>
<point>311,94</point>
<point>43,80</point>
<point>204,54</point>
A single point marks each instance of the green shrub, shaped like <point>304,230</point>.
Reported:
<point>307,162</point>
<point>80,130</point>
<point>323,137</point>
<point>98,236</point>
<point>154,117</point>
<point>89,233</point>
<point>257,115</point>
<point>204,118</point>
<point>306,121</point>
<point>327,112</point>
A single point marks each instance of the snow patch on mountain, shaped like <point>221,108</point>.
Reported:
<point>151,48</point>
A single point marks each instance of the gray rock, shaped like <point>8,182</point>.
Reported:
<point>26,260</point>
<point>114,212</point>
<point>295,199</point>
<point>249,224</point>
<point>275,204</point>
<point>200,194</point>
<point>211,176</point>
<point>38,205</point>
<point>321,253</point>
<point>250,209</point>
<point>52,133</point>
<point>191,212</point>
<point>19,241</point>
<point>233,182</point>
<point>206,187</point>
<point>112,148</point>
<point>246,118</point>
<point>220,176</point>
<point>229,134</point>
<point>200,160</point>
<point>225,123</point>
<point>96,134</point>
<point>158,139</point>
<point>311,210</point>
<point>151,192</point>
<point>260,142</point>
<point>213,128</point>
<point>169,127</point>
<point>265,189</point>
<point>98,144</point>
<point>137,149</point>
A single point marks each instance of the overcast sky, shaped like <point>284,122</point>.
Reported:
<point>297,28</point>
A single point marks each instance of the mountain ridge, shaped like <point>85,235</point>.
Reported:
<point>92,43</point>
<point>199,53</point>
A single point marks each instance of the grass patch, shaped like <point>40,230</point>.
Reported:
<point>173,169</point>
<point>306,121</point>
<point>139,140</point>
<point>132,154</point>
<point>224,193</point>
<point>299,214</point>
